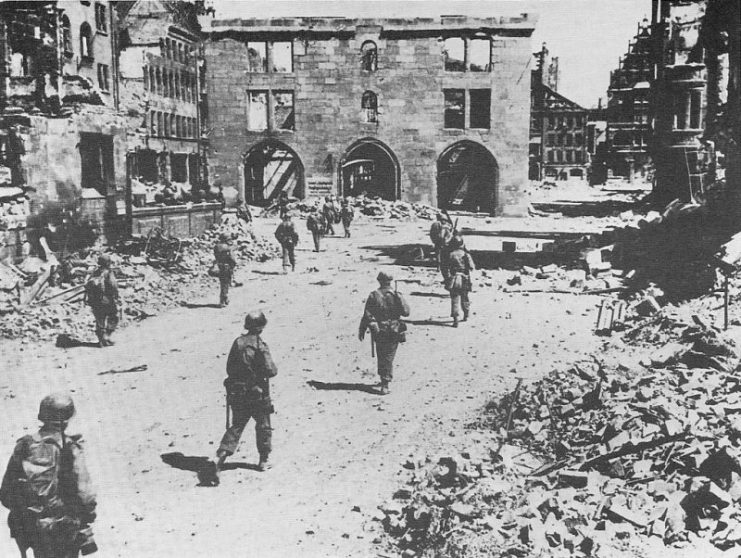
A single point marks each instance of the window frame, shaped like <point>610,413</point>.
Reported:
<point>369,106</point>
<point>471,105</point>
<point>369,57</point>
<point>250,93</point>
<point>264,61</point>
<point>86,42</point>
<point>101,18</point>
<point>446,110</point>
<point>273,96</point>
<point>446,56</point>
<point>271,57</point>
<point>104,77</point>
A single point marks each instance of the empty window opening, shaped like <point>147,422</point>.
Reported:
<point>147,165</point>
<point>480,55</point>
<point>455,108</point>
<point>282,57</point>
<point>454,51</point>
<point>103,77</point>
<point>369,56</point>
<point>283,110</point>
<point>257,57</point>
<point>86,41</point>
<point>257,110</point>
<point>101,23</point>
<point>369,106</point>
<point>179,167</point>
<point>96,156</point>
<point>66,35</point>
<point>480,108</point>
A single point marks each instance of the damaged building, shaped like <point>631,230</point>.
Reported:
<point>161,72</point>
<point>62,142</point>
<point>558,126</point>
<point>423,110</point>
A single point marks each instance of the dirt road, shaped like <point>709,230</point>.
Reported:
<point>338,448</point>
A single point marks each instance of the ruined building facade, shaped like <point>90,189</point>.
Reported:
<point>161,72</point>
<point>558,127</point>
<point>62,140</point>
<point>628,112</point>
<point>424,110</point>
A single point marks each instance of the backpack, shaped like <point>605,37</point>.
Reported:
<point>39,489</point>
<point>95,290</point>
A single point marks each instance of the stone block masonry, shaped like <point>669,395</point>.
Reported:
<point>360,119</point>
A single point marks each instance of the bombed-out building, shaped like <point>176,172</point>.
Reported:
<point>160,68</point>
<point>62,143</point>
<point>558,126</point>
<point>429,110</point>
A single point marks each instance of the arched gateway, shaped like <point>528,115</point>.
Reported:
<point>269,168</point>
<point>467,178</point>
<point>370,167</point>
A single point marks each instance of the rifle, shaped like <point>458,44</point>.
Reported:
<point>227,410</point>
<point>373,344</point>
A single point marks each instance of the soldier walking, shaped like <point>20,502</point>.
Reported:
<point>382,314</point>
<point>226,263</point>
<point>329,213</point>
<point>249,368</point>
<point>47,487</point>
<point>347,214</point>
<point>288,238</point>
<point>440,234</point>
<point>101,294</point>
<point>457,269</point>
<point>315,223</point>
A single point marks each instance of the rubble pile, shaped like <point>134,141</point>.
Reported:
<point>366,205</point>
<point>148,284</point>
<point>623,457</point>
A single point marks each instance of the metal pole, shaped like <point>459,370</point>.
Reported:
<point>725,301</point>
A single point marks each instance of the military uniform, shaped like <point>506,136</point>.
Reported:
<point>315,223</point>
<point>249,369</point>
<point>103,299</point>
<point>288,237</point>
<point>226,263</point>
<point>458,267</point>
<point>347,214</point>
<point>382,314</point>
<point>328,211</point>
<point>440,235</point>
<point>48,491</point>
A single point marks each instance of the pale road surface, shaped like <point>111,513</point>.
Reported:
<point>338,453</point>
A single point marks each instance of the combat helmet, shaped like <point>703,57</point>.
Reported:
<point>255,320</point>
<point>56,407</point>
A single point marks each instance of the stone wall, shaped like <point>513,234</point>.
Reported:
<point>328,83</point>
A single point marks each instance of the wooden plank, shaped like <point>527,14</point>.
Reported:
<point>36,288</point>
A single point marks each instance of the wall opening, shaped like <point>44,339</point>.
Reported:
<point>369,167</point>
<point>467,178</point>
<point>96,155</point>
<point>271,167</point>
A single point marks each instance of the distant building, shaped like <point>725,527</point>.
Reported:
<point>161,72</point>
<point>628,112</point>
<point>558,127</point>
<point>420,109</point>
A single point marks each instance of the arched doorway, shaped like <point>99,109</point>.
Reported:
<point>370,167</point>
<point>271,167</point>
<point>467,178</point>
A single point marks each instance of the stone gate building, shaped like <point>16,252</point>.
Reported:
<point>435,111</point>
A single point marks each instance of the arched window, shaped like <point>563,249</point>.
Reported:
<point>86,41</point>
<point>369,104</point>
<point>158,87</point>
<point>66,35</point>
<point>160,124</point>
<point>151,79</point>
<point>145,74</point>
<point>369,56</point>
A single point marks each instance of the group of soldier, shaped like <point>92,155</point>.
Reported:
<point>46,486</point>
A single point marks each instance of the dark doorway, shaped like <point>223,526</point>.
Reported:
<point>370,167</point>
<point>467,178</point>
<point>96,154</point>
<point>271,167</point>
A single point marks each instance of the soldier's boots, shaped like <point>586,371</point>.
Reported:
<point>465,315</point>
<point>264,464</point>
<point>455,322</point>
<point>384,388</point>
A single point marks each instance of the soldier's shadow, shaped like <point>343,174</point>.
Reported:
<point>200,464</point>
<point>193,305</point>
<point>429,322</point>
<point>344,386</point>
